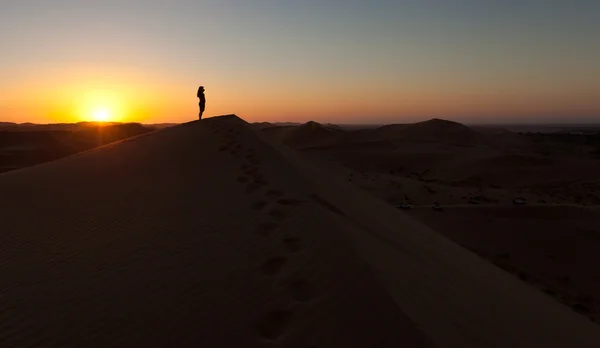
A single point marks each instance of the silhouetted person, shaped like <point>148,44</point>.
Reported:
<point>202,101</point>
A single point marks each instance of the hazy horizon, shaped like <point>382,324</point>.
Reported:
<point>595,123</point>
<point>474,62</point>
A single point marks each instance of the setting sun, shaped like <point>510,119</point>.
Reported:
<point>101,105</point>
<point>101,115</point>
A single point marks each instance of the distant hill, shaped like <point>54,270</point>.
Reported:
<point>442,131</point>
<point>310,134</point>
<point>314,134</point>
<point>97,136</point>
<point>434,130</point>
<point>18,127</point>
<point>24,146</point>
<point>389,131</point>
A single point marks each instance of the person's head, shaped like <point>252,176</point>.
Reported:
<point>201,88</point>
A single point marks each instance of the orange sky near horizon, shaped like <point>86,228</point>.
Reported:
<point>130,95</point>
<point>328,61</point>
<point>73,94</point>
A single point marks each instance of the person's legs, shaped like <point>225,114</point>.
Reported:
<point>201,111</point>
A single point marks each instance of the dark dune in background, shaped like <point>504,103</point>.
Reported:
<point>27,144</point>
<point>308,135</point>
<point>475,173</point>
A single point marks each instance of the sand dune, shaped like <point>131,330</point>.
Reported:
<point>439,160</point>
<point>455,297</point>
<point>434,130</point>
<point>209,234</point>
<point>553,248</point>
<point>437,130</point>
<point>27,145</point>
<point>197,235</point>
<point>309,135</point>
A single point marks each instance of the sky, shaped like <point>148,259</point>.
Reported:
<point>340,61</point>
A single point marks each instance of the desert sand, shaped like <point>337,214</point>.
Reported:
<point>214,234</point>
<point>550,243</point>
<point>553,248</point>
<point>24,145</point>
<point>445,161</point>
<point>199,235</point>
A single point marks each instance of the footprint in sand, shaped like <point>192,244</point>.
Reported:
<point>254,186</point>
<point>272,324</point>
<point>289,201</point>
<point>260,180</point>
<point>265,228</point>
<point>257,175</point>
<point>301,290</point>
<point>253,171</point>
<point>245,167</point>
<point>252,159</point>
<point>274,194</point>
<point>278,214</point>
<point>259,205</point>
<point>294,245</point>
<point>249,169</point>
<point>234,147</point>
<point>273,266</point>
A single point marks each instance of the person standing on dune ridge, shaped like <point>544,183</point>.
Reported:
<point>202,102</point>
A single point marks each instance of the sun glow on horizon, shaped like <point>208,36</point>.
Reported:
<point>101,115</point>
<point>101,106</point>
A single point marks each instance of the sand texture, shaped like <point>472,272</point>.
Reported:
<point>198,235</point>
<point>210,234</point>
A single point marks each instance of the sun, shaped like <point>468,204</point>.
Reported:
<point>101,106</point>
<point>101,115</point>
